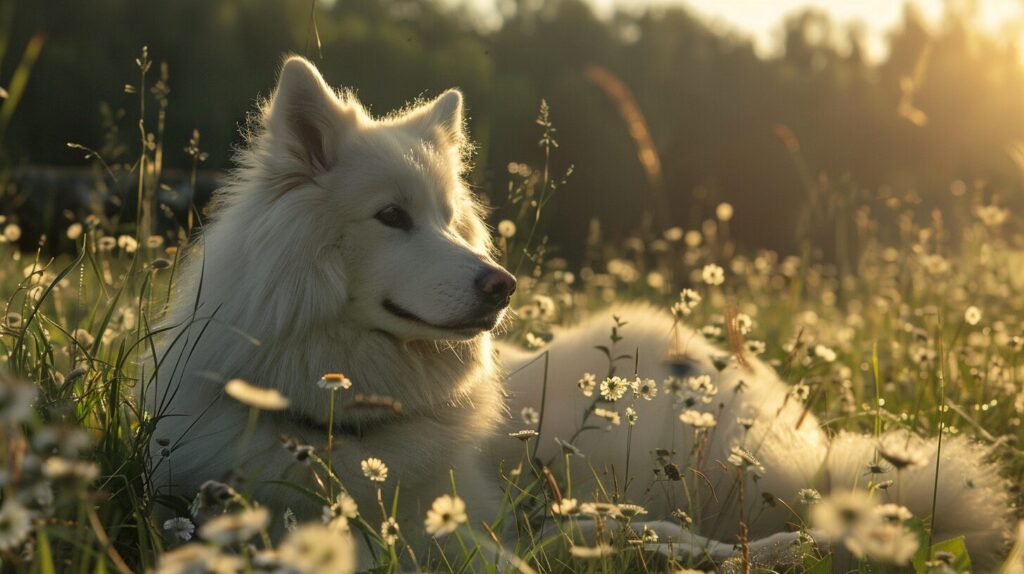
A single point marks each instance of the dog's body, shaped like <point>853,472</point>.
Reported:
<point>350,245</point>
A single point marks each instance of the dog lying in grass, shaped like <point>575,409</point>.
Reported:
<point>345,243</point>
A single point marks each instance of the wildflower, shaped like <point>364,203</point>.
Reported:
<point>893,512</point>
<point>713,274</point>
<point>649,536</point>
<point>154,241</point>
<point>884,542</point>
<point>592,552</point>
<point>842,513</point>
<point>334,382</point>
<point>754,347</point>
<point>724,211</point>
<point>629,511</point>
<point>972,315</point>
<point>682,517</point>
<point>106,243</point>
<point>389,531</point>
<point>180,527</point>
<point>688,301</point>
<point>800,391</point>
<point>530,415</point>
<point>506,228</point>
<point>445,515</point>
<point>524,435</point>
<point>631,416</point>
<point>256,397</point>
<point>697,419</point>
<point>613,388</point>
<point>238,527</point>
<point>744,459</point>
<point>565,507</point>
<point>314,548</point>
<point>743,323</point>
<point>15,524</point>
<point>612,416</point>
<point>992,215</point>
<point>344,507</point>
<point>646,389</point>
<point>745,422</point>
<point>903,450</point>
<point>587,384</point>
<point>374,469</point>
<point>74,231</point>
<point>698,390</point>
<point>809,496</point>
<point>12,232</point>
<point>824,353</point>
<point>127,243</point>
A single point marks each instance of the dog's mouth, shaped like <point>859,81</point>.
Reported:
<point>484,322</point>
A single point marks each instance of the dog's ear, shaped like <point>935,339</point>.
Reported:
<point>306,119</point>
<point>440,121</point>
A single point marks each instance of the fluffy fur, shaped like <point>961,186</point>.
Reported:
<point>297,275</point>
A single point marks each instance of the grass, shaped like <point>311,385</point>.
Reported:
<point>916,325</point>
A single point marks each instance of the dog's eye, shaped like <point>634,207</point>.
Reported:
<point>394,216</point>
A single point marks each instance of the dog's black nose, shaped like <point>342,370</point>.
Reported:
<point>496,286</point>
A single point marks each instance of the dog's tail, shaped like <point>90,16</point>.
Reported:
<point>972,499</point>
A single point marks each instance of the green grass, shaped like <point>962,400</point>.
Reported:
<point>893,304</point>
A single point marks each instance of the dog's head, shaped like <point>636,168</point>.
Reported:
<point>396,232</point>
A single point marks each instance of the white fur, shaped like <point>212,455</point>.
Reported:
<point>287,284</point>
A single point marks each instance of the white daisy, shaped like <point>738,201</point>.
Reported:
<point>180,527</point>
<point>445,515</point>
<point>374,469</point>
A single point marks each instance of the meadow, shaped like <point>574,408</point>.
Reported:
<point>913,323</point>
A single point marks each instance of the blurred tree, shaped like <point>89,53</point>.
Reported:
<point>944,105</point>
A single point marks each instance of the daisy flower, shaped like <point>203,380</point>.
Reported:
<point>316,548</point>
<point>389,531</point>
<point>613,388</point>
<point>445,515</point>
<point>587,384</point>
<point>334,382</point>
<point>646,389</point>
<point>180,527</point>
<point>697,419</point>
<point>374,469</point>
<point>713,274</point>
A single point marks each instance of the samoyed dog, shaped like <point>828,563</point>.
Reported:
<point>346,243</point>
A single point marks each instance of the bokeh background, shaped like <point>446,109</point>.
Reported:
<point>664,110</point>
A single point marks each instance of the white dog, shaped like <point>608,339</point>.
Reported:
<point>350,244</point>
